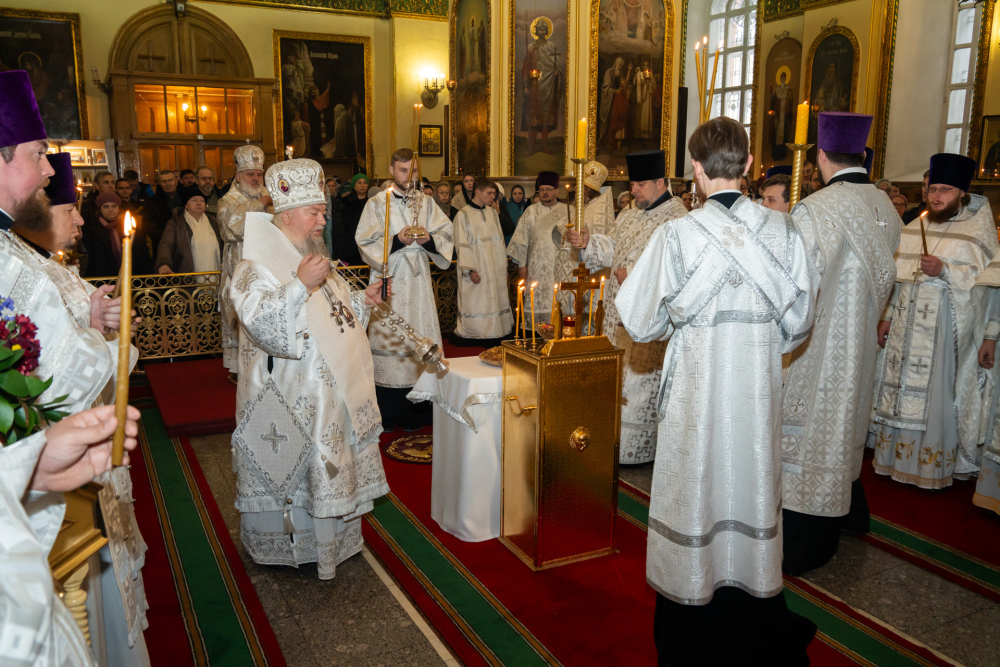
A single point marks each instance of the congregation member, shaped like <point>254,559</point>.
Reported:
<point>775,190</point>
<point>344,246</point>
<point>124,191</point>
<point>517,204</point>
<point>187,179</point>
<point>808,171</point>
<point>140,190</point>
<point>334,218</point>
<point>885,185</point>
<point>483,298</point>
<point>442,197</point>
<point>191,242</point>
<point>463,197</point>
<point>927,400</point>
<point>103,183</point>
<point>205,180</point>
<point>160,207</point>
<point>899,203</point>
<point>687,200</point>
<point>851,233</point>
<point>306,440</point>
<point>734,285</point>
<point>618,251</point>
<point>914,212</point>
<point>815,183</point>
<point>70,317</point>
<point>396,367</point>
<point>245,195</point>
<point>535,244</point>
<point>987,494</point>
<point>103,239</point>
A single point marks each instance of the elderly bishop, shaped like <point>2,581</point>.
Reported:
<point>618,249</point>
<point>306,441</point>
<point>927,397</point>
<point>247,195</point>
<point>420,233</point>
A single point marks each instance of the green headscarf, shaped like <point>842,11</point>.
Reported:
<point>358,177</point>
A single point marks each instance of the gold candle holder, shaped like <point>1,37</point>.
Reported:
<point>795,192</point>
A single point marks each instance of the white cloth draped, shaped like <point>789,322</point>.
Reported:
<point>233,208</point>
<point>204,245</point>
<point>736,289</point>
<point>483,309</point>
<point>851,232</point>
<point>306,441</point>
<point>643,362</point>
<point>928,402</point>
<point>412,293</point>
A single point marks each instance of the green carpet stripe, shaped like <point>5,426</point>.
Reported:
<point>505,642</point>
<point>984,573</point>
<point>224,639</point>
<point>868,647</point>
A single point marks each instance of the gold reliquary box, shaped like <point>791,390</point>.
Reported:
<point>561,426</point>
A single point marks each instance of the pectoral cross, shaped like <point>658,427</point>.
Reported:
<point>274,437</point>
<point>579,288</point>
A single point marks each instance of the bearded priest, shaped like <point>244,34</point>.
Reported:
<point>410,210</point>
<point>247,195</point>
<point>851,230</point>
<point>927,397</point>
<point>306,441</point>
<point>619,249</point>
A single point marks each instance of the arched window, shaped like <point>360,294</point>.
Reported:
<point>958,84</point>
<point>733,26</point>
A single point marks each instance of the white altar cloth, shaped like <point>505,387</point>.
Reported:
<point>465,472</point>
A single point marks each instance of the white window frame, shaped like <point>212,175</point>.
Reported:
<point>747,49</point>
<point>973,46</point>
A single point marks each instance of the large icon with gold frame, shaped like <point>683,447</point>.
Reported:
<point>631,65</point>
<point>470,101</point>
<point>324,109</point>
<point>781,93</point>
<point>832,74</point>
<point>989,151</point>
<point>538,106</point>
<point>47,46</point>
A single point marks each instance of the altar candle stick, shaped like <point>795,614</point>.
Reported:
<point>533,313</point>
<point>697,73</point>
<point>602,288</point>
<point>923,235</point>
<point>581,139</point>
<point>555,293</point>
<point>711,90</point>
<point>590,315</point>
<point>802,123</point>
<point>386,243</point>
<point>519,322</point>
<point>124,344</point>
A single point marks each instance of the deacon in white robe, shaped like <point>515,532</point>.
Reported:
<point>927,398</point>
<point>246,195</point>
<point>483,298</point>
<point>618,252</point>
<point>734,285</point>
<point>851,231</point>
<point>598,218</point>
<point>535,246</point>
<point>306,440</point>
<point>987,493</point>
<point>396,366</point>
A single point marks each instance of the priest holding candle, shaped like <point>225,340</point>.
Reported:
<point>418,231</point>
<point>616,250</point>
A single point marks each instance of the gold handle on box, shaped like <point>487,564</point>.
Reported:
<point>520,411</point>
<point>579,439</point>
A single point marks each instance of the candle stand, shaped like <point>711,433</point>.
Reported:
<point>795,192</point>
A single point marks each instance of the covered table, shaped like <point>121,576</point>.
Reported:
<point>465,475</point>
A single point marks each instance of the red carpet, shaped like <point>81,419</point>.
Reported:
<point>194,397</point>
<point>947,516</point>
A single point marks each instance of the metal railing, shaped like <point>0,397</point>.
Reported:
<point>180,311</point>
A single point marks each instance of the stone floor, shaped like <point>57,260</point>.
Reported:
<point>357,619</point>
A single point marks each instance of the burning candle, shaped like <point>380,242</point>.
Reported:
<point>124,343</point>
<point>519,322</point>
<point>802,123</point>
<point>602,288</point>
<point>533,313</point>
<point>386,243</point>
<point>923,235</point>
<point>581,139</point>
<point>590,314</point>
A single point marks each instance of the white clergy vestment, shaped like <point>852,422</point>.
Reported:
<point>736,288</point>
<point>927,399</point>
<point>306,440</point>
<point>231,217</point>
<point>536,245</point>
<point>483,309</point>
<point>598,218</point>
<point>851,231</point>
<point>643,362</point>
<point>988,484</point>
<point>412,293</point>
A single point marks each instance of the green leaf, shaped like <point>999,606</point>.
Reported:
<point>13,382</point>
<point>20,419</point>
<point>6,415</point>
<point>36,386</point>
<point>32,415</point>
<point>53,416</point>
<point>12,437</point>
<point>5,352</point>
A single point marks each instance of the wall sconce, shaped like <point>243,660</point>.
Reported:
<point>194,119</point>
<point>101,86</point>
<point>432,86</point>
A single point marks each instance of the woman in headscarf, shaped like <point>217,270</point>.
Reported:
<point>343,245</point>
<point>517,203</point>
<point>442,197</point>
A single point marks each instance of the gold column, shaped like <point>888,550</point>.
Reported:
<point>799,161</point>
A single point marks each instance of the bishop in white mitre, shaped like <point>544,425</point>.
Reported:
<point>245,195</point>
<point>927,398</point>
<point>987,493</point>
<point>306,440</point>
<point>483,298</point>
<point>70,316</point>
<point>410,210</point>
<point>734,285</point>
<point>598,218</point>
<point>618,251</point>
<point>536,242</point>
<point>851,231</point>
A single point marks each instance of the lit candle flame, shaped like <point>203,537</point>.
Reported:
<point>129,224</point>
